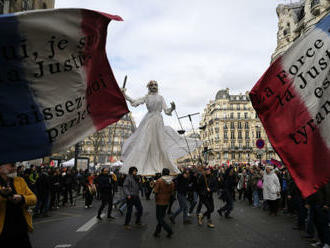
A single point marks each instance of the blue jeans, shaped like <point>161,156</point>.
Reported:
<point>255,198</point>
<point>193,203</point>
<point>183,206</point>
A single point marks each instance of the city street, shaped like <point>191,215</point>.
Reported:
<point>77,227</point>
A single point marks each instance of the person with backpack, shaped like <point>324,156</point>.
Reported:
<point>163,189</point>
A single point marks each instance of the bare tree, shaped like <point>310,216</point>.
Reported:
<point>98,141</point>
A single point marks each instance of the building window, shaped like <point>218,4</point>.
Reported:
<point>239,126</point>
<point>314,2</point>
<point>233,155</point>
<point>246,125</point>
<point>232,125</point>
<point>225,125</point>
<point>246,115</point>
<point>231,106</point>
<point>247,134</point>
<point>225,135</point>
<point>238,115</point>
<point>258,134</point>
<point>238,106</point>
<point>239,134</point>
<point>231,115</point>
<point>232,135</point>
<point>44,6</point>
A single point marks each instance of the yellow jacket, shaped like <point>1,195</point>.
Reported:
<point>30,200</point>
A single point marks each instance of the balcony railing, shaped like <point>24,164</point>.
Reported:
<point>315,7</point>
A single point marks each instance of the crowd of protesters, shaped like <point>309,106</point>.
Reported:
<point>265,187</point>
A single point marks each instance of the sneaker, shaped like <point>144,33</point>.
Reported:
<point>326,246</point>
<point>220,212</point>
<point>98,217</point>
<point>127,227</point>
<point>172,219</point>
<point>86,206</point>
<point>156,235</point>
<point>210,224</point>
<point>111,217</point>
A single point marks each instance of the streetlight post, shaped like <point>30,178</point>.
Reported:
<point>76,154</point>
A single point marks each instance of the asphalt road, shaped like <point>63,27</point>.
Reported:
<point>77,227</point>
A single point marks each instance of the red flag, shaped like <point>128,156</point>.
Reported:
<point>292,100</point>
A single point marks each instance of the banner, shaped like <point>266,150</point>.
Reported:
<point>56,84</point>
<point>292,100</point>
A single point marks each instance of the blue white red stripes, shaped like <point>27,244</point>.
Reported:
<point>292,100</point>
<point>56,85</point>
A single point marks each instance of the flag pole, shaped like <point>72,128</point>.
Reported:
<point>184,137</point>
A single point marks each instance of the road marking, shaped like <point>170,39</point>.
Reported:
<point>88,225</point>
<point>63,246</point>
<point>49,220</point>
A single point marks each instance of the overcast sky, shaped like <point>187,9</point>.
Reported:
<point>193,48</point>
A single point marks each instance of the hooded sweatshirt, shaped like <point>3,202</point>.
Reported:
<point>163,189</point>
<point>271,186</point>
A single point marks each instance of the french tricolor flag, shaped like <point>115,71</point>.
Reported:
<point>292,100</point>
<point>56,84</point>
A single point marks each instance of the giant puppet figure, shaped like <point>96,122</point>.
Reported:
<point>154,146</point>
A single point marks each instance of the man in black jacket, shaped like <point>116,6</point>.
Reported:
<point>68,181</point>
<point>207,184</point>
<point>229,187</point>
<point>104,182</point>
<point>182,188</point>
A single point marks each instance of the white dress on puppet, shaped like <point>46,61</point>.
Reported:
<point>154,146</point>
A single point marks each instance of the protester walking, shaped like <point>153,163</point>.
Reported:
<point>229,187</point>
<point>163,189</point>
<point>182,188</point>
<point>131,191</point>
<point>104,181</point>
<point>207,185</point>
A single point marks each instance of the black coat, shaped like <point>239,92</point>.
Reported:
<point>182,184</point>
<point>211,184</point>
<point>104,184</point>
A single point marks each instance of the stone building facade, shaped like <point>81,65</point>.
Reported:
<point>229,130</point>
<point>295,19</point>
<point>10,6</point>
